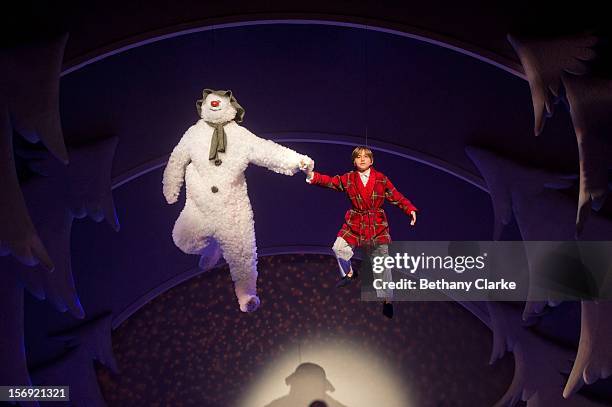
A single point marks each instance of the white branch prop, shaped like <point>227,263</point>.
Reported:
<point>539,364</point>
<point>551,63</point>
<point>594,358</point>
<point>83,188</point>
<point>29,105</point>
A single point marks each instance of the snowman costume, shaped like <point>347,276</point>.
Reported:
<point>211,158</point>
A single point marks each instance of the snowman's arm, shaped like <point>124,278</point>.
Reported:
<point>273,156</point>
<point>174,174</point>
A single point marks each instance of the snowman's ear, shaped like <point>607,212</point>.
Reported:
<point>199,102</point>
<point>199,106</point>
<point>239,109</point>
<point>239,112</point>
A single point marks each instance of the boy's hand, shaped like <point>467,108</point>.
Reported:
<point>413,218</point>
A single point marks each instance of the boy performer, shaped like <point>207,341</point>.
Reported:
<point>365,224</point>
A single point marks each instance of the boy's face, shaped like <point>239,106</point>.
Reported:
<point>362,161</point>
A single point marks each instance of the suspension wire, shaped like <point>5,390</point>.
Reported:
<point>365,93</point>
<point>214,40</point>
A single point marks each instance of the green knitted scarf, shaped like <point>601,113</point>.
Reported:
<point>218,141</point>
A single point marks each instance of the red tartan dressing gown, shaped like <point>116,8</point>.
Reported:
<point>366,222</point>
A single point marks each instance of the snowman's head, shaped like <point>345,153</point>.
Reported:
<point>218,106</point>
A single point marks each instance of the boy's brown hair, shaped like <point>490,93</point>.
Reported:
<point>359,149</point>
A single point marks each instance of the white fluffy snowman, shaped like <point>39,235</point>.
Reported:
<point>211,157</point>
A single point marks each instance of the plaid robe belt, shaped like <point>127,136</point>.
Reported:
<point>365,224</point>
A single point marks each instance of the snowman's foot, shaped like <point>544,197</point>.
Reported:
<point>248,303</point>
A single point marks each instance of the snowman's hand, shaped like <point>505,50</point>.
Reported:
<point>307,165</point>
<point>174,173</point>
<point>170,195</point>
<point>311,165</point>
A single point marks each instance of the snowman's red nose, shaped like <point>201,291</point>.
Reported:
<point>214,103</point>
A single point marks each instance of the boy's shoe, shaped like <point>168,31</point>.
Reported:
<point>346,280</point>
<point>388,309</point>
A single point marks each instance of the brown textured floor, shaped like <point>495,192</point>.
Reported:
<point>192,347</point>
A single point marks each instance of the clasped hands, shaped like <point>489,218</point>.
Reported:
<point>307,166</point>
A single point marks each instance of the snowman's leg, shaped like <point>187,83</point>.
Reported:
<point>246,292</point>
<point>192,230</point>
<point>210,255</point>
<point>237,240</point>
